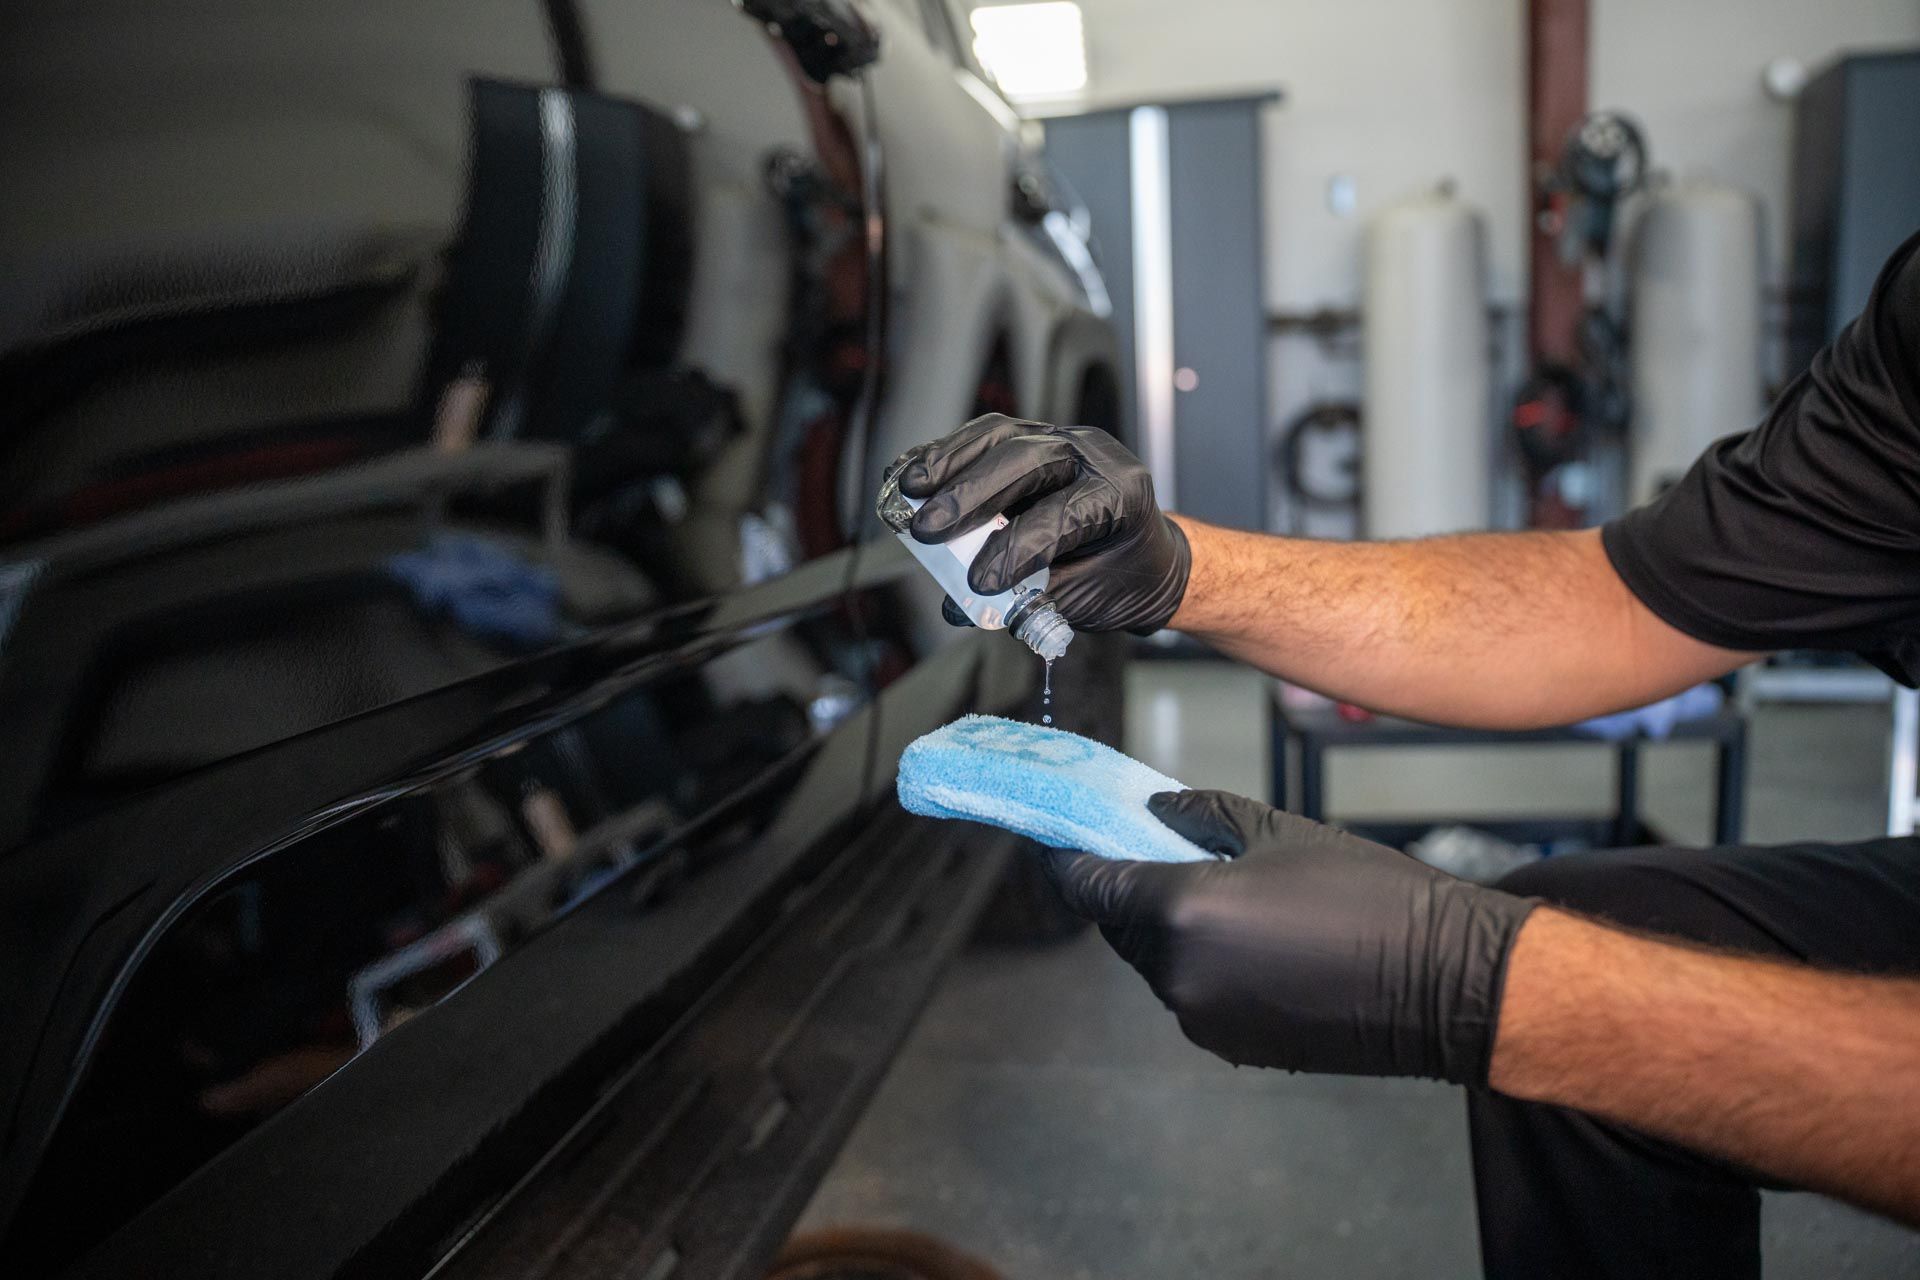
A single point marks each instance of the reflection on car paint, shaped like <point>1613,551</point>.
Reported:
<point>583,556</point>
<point>285,971</point>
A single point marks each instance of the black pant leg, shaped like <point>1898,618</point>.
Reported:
<point>1563,1195</point>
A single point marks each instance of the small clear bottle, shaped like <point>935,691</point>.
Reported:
<point>1024,608</point>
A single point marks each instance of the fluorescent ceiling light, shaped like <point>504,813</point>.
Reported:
<point>1033,50</point>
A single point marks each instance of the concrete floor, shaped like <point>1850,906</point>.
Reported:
<point>1048,1116</point>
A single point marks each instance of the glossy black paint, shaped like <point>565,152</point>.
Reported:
<point>432,645</point>
<point>285,968</point>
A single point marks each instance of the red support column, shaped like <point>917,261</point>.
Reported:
<point>1557,33</point>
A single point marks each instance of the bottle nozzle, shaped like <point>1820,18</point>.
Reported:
<point>1036,623</point>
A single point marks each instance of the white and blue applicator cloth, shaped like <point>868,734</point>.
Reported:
<point>1059,788</point>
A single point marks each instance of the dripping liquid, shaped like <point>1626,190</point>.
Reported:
<point>1046,695</point>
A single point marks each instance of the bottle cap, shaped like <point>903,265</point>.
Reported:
<point>1036,623</point>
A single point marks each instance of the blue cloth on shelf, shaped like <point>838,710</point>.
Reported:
<point>1656,720</point>
<point>1047,784</point>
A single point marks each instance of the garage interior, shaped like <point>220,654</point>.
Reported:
<point>1047,1116</point>
<point>478,483</point>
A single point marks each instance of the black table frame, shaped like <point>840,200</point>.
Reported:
<point>1319,730</point>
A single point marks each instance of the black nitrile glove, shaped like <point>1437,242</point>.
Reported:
<point>1077,501</point>
<point>1309,949</point>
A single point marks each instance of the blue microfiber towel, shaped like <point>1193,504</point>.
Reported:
<point>1052,786</point>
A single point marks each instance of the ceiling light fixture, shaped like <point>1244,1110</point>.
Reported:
<point>1033,51</point>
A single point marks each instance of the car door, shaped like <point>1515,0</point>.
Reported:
<point>425,639</point>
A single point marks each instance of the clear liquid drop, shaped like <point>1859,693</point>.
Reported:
<point>1046,693</point>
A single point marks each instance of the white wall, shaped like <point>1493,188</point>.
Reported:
<point>1690,71</point>
<point>1399,94</point>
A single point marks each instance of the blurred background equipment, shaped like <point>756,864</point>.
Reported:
<point>1856,189</point>
<point>1319,461</point>
<point>1425,310</point>
<point>1694,289</point>
<point>1604,162</point>
<point>1571,412</point>
<point>1173,188</point>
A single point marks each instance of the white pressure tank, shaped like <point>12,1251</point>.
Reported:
<point>1694,299</point>
<point>1426,431</point>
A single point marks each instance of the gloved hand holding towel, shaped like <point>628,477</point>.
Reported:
<point>1276,941</point>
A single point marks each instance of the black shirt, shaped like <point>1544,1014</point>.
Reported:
<point>1804,533</point>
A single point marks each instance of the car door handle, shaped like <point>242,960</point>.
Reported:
<point>829,37</point>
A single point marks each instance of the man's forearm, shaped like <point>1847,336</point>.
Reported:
<point>1501,630</point>
<point>1810,1077</point>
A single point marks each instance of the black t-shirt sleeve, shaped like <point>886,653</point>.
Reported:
<point>1804,533</point>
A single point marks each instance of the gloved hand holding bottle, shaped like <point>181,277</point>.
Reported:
<point>1078,504</point>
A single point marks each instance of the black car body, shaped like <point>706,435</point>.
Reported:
<point>449,676</point>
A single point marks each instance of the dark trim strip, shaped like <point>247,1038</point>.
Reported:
<point>570,43</point>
